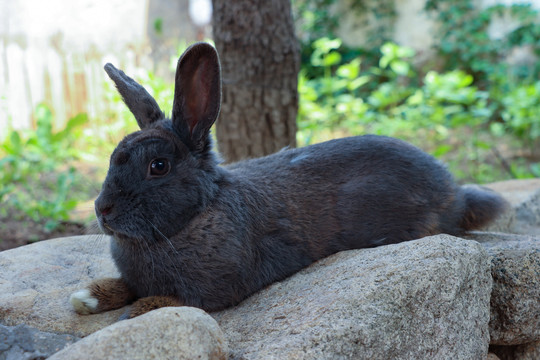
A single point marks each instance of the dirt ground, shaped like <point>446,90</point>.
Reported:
<point>14,233</point>
<point>18,230</point>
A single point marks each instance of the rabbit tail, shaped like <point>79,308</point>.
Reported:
<point>481,206</point>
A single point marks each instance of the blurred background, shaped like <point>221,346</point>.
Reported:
<point>458,78</point>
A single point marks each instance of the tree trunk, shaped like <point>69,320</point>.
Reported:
<point>260,60</point>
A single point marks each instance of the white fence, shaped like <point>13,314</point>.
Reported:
<point>53,51</point>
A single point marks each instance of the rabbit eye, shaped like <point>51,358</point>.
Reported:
<point>159,167</point>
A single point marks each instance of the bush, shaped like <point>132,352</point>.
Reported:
<point>38,177</point>
<point>444,113</point>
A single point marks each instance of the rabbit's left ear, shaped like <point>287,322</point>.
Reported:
<point>197,94</point>
<point>141,104</point>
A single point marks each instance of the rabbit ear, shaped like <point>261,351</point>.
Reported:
<point>137,99</point>
<point>197,94</point>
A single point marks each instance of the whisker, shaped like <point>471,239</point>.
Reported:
<point>151,260</point>
<point>170,244</point>
<point>92,228</point>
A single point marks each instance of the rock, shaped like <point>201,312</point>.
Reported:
<point>36,281</point>
<point>427,298</point>
<point>516,191</point>
<point>515,299</point>
<point>167,333</point>
<point>24,342</point>
<point>529,351</point>
<point>523,216</point>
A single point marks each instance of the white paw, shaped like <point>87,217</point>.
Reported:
<point>83,302</point>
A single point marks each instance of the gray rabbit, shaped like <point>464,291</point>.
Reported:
<point>187,231</point>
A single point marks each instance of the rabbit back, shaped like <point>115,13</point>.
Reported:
<point>357,192</point>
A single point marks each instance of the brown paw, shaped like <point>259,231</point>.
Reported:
<point>101,295</point>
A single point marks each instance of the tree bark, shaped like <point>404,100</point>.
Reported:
<point>260,59</point>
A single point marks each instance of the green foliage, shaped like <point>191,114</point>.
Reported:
<point>320,18</point>
<point>37,177</point>
<point>462,112</point>
<point>396,58</point>
<point>512,87</point>
<point>464,41</point>
<point>442,112</point>
<point>331,100</point>
<point>316,19</point>
<point>521,113</point>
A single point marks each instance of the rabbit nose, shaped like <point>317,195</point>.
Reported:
<point>105,210</point>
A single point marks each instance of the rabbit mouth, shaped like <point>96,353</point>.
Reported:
<point>117,234</point>
<point>106,228</point>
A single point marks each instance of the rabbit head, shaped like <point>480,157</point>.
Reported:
<point>164,174</point>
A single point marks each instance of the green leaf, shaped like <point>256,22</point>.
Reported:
<point>69,131</point>
<point>384,61</point>
<point>442,150</point>
<point>349,70</point>
<point>358,82</point>
<point>389,49</point>
<point>14,146</point>
<point>331,59</point>
<point>15,139</point>
<point>400,67</point>
<point>77,121</point>
<point>325,45</point>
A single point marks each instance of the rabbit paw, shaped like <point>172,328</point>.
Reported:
<point>83,302</point>
<point>102,295</point>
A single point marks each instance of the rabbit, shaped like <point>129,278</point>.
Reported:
<point>189,231</point>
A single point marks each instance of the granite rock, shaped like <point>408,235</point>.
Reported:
<point>424,298</point>
<point>523,215</point>
<point>36,281</point>
<point>515,299</point>
<point>182,333</point>
<point>24,342</point>
<point>530,351</point>
<point>427,298</point>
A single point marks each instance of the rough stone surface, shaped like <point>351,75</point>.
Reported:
<point>168,333</point>
<point>515,299</point>
<point>425,298</point>
<point>516,191</point>
<point>530,351</point>
<point>422,299</point>
<point>523,216</point>
<point>36,281</point>
<point>528,215</point>
<point>24,342</point>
